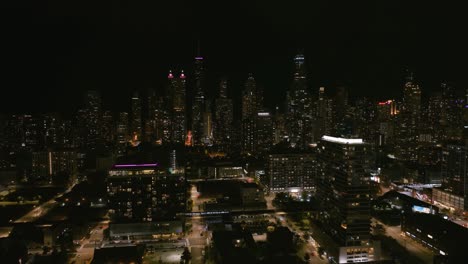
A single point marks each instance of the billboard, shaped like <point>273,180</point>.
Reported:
<point>421,209</point>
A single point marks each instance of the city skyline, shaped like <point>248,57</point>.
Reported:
<point>262,132</point>
<point>98,50</point>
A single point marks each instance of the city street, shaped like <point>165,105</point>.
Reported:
<point>411,245</point>
<point>310,246</point>
<point>42,209</point>
<point>197,240</point>
<point>84,254</point>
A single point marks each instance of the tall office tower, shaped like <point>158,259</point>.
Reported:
<point>341,113</point>
<point>432,117</point>
<point>323,113</point>
<point>199,103</point>
<point>451,113</point>
<point>345,193</point>
<point>207,122</point>
<point>299,107</point>
<point>386,111</point>
<point>136,122</point>
<point>108,127</point>
<point>93,116</point>
<point>263,134</point>
<point>223,119</point>
<point>177,107</point>
<point>50,129</point>
<point>144,193</point>
<point>364,118</point>
<point>279,127</point>
<point>162,129</point>
<point>408,121</point>
<point>65,134</point>
<point>252,100</point>
<point>290,170</point>
<point>122,133</point>
<point>150,120</point>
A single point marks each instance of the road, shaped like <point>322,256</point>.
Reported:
<point>411,245</point>
<point>85,252</point>
<point>42,209</point>
<point>198,236</point>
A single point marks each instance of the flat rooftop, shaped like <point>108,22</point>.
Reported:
<point>340,140</point>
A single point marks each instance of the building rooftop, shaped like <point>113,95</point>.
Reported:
<point>144,165</point>
<point>340,140</point>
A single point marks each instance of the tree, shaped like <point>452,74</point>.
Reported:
<point>186,256</point>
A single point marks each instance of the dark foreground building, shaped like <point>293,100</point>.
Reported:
<point>144,193</point>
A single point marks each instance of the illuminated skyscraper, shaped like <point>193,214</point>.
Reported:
<point>150,120</point>
<point>199,103</point>
<point>178,114</point>
<point>263,131</point>
<point>299,107</point>
<point>252,100</point>
<point>122,129</point>
<point>136,122</point>
<point>108,127</point>
<point>223,117</point>
<point>324,114</point>
<point>92,118</point>
<point>409,120</point>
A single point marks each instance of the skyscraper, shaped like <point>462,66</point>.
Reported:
<point>223,117</point>
<point>136,121</point>
<point>408,120</point>
<point>263,131</point>
<point>345,193</point>
<point>92,118</point>
<point>252,100</point>
<point>177,107</point>
<point>198,104</point>
<point>299,107</point>
<point>323,114</point>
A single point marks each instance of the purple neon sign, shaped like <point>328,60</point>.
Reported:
<point>135,165</point>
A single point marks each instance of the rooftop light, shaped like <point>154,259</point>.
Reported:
<point>343,140</point>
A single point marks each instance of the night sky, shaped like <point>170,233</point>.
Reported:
<point>53,51</point>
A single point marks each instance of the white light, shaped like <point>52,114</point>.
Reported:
<point>343,140</point>
<point>441,252</point>
<point>263,114</point>
<point>429,236</point>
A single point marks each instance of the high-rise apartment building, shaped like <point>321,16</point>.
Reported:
<point>144,193</point>
<point>345,193</point>
<point>290,170</point>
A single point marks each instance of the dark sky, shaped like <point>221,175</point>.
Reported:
<point>55,50</point>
